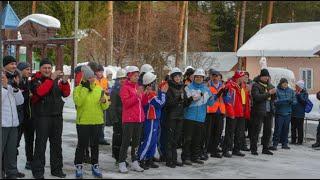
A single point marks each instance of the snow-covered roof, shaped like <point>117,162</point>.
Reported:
<point>284,40</point>
<point>42,19</point>
<point>9,19</point>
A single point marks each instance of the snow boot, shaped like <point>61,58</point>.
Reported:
<point>144,165</point>
<point>136,167</point>
<point>96,171</point>
<point>316,145</point>
<point>255,153</point>
<point>123,168</point>
<point>170,164</point>
<point>150,163</point>
<point>238,153</point>
<point>79,171</point>
<point>267,152</point>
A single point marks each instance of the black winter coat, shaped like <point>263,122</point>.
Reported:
<point>260,97</point>
<point>116,107</point>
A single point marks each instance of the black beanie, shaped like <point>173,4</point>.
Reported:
<point>45,61</point>
<point>8,59</point>
<point>23,65</point>
<point>264,72</point>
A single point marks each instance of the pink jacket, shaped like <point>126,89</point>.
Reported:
<point>132,103</point>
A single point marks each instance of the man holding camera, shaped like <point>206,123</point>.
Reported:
<point>48,88</point>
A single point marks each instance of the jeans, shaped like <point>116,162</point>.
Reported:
<point>281,131</point>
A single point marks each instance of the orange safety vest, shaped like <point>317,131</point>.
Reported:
<point>219,104</point>
<point>103,83</point>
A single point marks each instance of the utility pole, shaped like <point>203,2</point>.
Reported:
<point>185,45</point>
<point>76,23</point>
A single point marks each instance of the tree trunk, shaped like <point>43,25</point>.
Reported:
<point>34,7</point>
<point>270,13</point>
<point>109,58</point>
<point>185,44</point>
<point>261,15</point>
<point>243,18</point>
<point>136,38</point>
<point>180,34</point>
<point>236,33</point>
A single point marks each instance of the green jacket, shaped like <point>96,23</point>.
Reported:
<point>89,108</point>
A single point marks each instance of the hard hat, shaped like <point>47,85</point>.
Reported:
<point>131,69</point>
<point>146,68</point>
<point>175,70</point>
<point>148,78</point>
<point>109,71</point>
<point>121,73</point>
<point>199,72</point>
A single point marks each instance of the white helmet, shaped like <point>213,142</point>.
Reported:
<point>109,71</point>
<point>188,67</point>
<point>199,72</point>
<point>148,78</point>
<point>146,68</point>
<point>175,70</point>
<point>131,69</point>
<point>121,73</point>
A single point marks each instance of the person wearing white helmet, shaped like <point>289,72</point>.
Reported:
<point>176,102</point>
<point>144,69</point>
<point>188,76</point>
<point>116,113</point>
<point>195,116</point>
<point>133,100</point>
<point>109,75</point>
<point>156,101</point>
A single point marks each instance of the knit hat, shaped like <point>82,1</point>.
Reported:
<point>23,65</point>
<point>8,59</point>
<point>93,66</point>
<point>300,84</point>
<point>45,61</point>
<point>238,74</point>
<point>87,72</point>
<point>100,68</point>
<point>264,72</point>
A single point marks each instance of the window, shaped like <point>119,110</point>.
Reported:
<point>306,74</point>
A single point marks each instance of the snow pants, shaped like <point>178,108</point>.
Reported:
<point>192,140</point>
<point>281,131</point>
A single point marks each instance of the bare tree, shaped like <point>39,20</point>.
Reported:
<point>136,39</point>
<point>180,34</point>
<point>243,18</point>
<point>110,33</point>
<point>270,13</point>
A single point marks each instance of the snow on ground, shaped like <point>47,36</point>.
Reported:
<point>315,113</point>
<point>299,162</point>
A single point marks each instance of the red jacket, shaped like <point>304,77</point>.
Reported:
<point>132,103</point>
<point>234,106</point>
<point>42,86</point>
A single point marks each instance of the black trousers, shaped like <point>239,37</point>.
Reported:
<point>297,125</point>
<point>192,140</point>
<point>234,134</point>
<point>131,133</point>
<point>174,129</point>
<point>28,130</point>
<point>318,133</point>
<point>86,134</point>
<point>48,127</point>
<point>216,131</point>
<point>116,140</point>
<point>256,124</point>
<point>206,136</point>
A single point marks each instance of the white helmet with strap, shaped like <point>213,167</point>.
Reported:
<point>148,78</point>
<point>199,72</point>
<point>147,68</point>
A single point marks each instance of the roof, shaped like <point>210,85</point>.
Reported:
<point>9,19</point>
<point>42,19</point>
<point>220,61</point>
<point>284,40</point>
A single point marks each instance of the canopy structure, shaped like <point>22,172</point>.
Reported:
<point>42,19</point>
<point>9,18</point>
<point>284,40</point>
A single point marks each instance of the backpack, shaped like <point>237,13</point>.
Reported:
<point>309,106</point>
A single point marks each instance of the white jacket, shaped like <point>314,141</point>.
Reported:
<point>10,101</point>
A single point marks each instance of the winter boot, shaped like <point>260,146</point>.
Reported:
<point>227,154</point>
<point>316,145</point>
<point>179,164</point>
<point>20,175</point>
<point>187,162</point>
<point>144,165</point>
<point>267,152</point>
<point>150,163</point>
<point>273,148</point>
<point>96,171</point>
<point>79,171</point>
<point>123,168</point>
<point>216,155</point>
<point>136,167</point>
<point>238,153</point>
<point>197,161</point>
<point>170,164</point>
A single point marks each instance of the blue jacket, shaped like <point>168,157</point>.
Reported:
<point>298,110</point>
<point>154,106</point>
<point>285,100</point>
<point>198,109</point>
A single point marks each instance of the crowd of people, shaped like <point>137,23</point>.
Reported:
<point>188,110</point>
